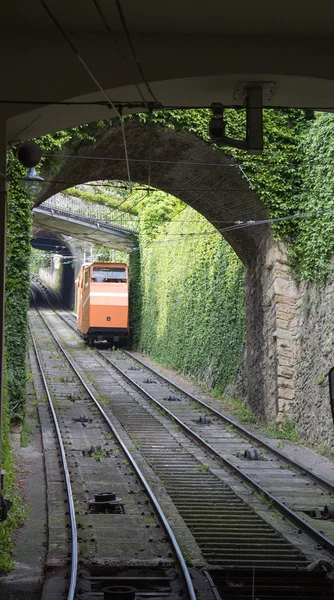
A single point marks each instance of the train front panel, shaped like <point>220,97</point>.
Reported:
<point>104,300</point>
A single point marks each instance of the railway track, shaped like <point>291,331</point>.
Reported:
<point>299,492</point>
<point>230,534</point>
<point>85,434</point>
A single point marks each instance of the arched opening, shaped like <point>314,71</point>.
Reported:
<point>185,166</point>
<point>58,265</point>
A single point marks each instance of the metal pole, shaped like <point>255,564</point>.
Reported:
<point>331,390</point>
<point>3,217</point>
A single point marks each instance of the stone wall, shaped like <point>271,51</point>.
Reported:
<point>271,297</point>
<point>314,357</point>
<point>290,346</point>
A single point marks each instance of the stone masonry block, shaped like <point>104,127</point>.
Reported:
<point>284,371</point>
<point>286,288</point>
<point>284,382</point>
<point>286,393</point>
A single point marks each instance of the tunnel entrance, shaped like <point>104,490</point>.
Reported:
<point>58,267</point>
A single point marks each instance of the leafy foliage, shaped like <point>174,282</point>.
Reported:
<point>16,514</point>
<point>17,285</point>
<point>190,296</point>
<point>275,174</point>
<point>313,246</point>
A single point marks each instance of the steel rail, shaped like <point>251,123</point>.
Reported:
<point>245,432</point>
<point>141,476</point>
<point>328,485</point>
<point>74,537</point>
<point>285,510</point>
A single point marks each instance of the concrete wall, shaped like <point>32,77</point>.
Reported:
<point>52,274</point>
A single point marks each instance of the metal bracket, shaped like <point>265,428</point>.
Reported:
<point>253,143</point>
<point>240,90</point>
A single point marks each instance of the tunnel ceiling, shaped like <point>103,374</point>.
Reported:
<point>190,53</point>
<point>218,192</point>
<point>49,241</point>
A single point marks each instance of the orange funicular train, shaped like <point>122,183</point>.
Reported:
<point>103,303</point>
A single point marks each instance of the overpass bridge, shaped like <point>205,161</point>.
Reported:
<point>87,221</point>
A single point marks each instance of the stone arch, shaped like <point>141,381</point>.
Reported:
<point>210,182</point>
<point>207,180</point>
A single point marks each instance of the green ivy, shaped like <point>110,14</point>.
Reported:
<point>112,199</point>
<point>313,246</point>
<point>17,285</point>
<point>276,173</point>
<point>189,292</point>
<point>16,514</point>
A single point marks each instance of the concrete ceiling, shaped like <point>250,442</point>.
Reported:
<point>191,53</point>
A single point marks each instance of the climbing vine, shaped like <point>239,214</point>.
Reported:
<point>276,174</point>
<point>313,246</point>
<point>17,284</point>
<point>187,287</point>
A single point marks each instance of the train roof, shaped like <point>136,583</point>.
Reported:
<point>103,264</point>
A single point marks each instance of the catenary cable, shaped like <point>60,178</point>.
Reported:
<point>92,76</point>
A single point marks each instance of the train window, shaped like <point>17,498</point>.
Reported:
<point>86,277</point>
<point>109,275</point>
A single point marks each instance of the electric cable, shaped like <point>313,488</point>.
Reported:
<point>252,223</point>
<point>92,76</point>
<point>257,164</point>
<point>119,49</point>
<point>156,105</point>
<point>134,54</point>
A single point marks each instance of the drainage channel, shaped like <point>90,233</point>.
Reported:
<point>120,532</point>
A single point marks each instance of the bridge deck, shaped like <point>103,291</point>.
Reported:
<point>85,228</point>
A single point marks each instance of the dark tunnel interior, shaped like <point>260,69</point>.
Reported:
<point>50,242</point>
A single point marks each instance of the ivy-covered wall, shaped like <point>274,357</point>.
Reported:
<point>312,247</point>
<point>17,284</point>
<point>190,297</point>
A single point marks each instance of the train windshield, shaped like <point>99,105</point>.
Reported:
<point>109,275</point>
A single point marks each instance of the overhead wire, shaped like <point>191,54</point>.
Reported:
<point>136,203</point>
<point>200,195</point>
<point>119,49</point>
<point>92,76</point>
<point>232,165</point>
<point>134,54</point>
<point>155,105</point>
<point>249,223</point>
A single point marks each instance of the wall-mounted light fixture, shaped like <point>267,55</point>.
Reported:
<point>29,155</point>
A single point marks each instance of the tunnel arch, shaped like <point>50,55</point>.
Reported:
<point>56,244</point>
<point>210,182</point>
